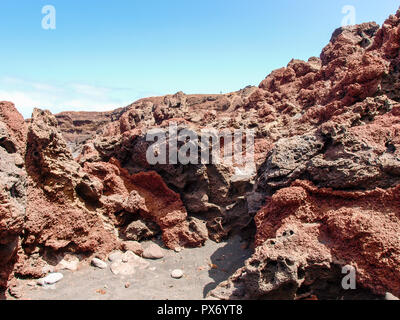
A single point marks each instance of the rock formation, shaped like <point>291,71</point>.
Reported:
<point>323,194</point>
<point>331,180</point>
<point>13,182</point>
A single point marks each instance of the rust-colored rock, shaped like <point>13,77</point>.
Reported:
<point>145,193</point>
<point>324,190</point>
<point>59,215</point>
<point>12,187</point>
<point>357,228</point>
<point>306,234</point>
<point>335,122</point>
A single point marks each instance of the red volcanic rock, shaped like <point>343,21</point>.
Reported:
<point>333,121</point>
<point>78,127</point>
<point>167,210</point>
<point>12,186</point>
<point>15,125</point>
<point>59,215</point>
<point>304,232</point>
<point>326,175</point>
<point>146,194</point>
<point>133,246</point>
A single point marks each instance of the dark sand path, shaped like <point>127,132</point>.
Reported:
<point>204,268</point>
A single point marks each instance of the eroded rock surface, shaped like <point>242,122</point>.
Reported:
<point>305,234</point>
<point>322,193</point>
<point>13,182</point>
<point>59,212</point>
<point>342,141</point>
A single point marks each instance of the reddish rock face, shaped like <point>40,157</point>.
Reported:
<point>15,125</point>
<point>59,212</point>
<point>356,228</point>
<point>12,186</point>
<point>338,127</point>
<point>123,196</point>
<point>304,231</point>
<point>324,193</point>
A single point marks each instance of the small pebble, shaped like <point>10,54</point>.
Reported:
<point>51,278</point>
<point>48,269</point>
<point>177,274</point>
<point>101,291</point>
<point>99,263</point>
<point>153,251</point>
<point>390,296</point>
<point>127,285</point>
<point>133,246</point>
<point>115,256</point>
<point>69,262</point>
<point>16,292</point>
<point>178,249</point>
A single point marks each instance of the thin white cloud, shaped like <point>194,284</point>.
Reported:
<point>18,98</point>
<point>26,95</point>
<point>11,81</point>
<point>89,90</point>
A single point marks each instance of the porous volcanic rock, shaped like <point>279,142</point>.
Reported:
<point>322,193</point>
<point>59,213</point>
<point>305,233</point>
<point>78,127</point>
<point>344,153</point>
<point>334,123</point>
<point>214,193</point>
<point>12,186</point>
<point>124,196</point>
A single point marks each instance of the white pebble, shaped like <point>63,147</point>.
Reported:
<point>51,278</point>
<point>115,256</point>
<point>390,296</point>
<point>177,274</point>
<point>99,263</point>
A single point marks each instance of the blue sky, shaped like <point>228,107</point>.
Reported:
<point>107,54</point>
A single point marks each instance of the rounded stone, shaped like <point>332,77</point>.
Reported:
<point>51,278</point>
<point>115,256</point>
<point>389,296</point>
<point>177,274</point>
<point>99,263</point>
<point>153,251</point>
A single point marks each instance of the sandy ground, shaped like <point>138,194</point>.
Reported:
<point>204,269</point>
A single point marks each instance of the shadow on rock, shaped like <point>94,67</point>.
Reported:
<point>226,260</point>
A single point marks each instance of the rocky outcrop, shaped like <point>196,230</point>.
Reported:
<point>123,197</point>
<point>59,213</point>
<point>78,127</point>
<point>341,139</point>
<point>322,193</point>
<point>54,206</point>
<point>308,117</point>
<point>213,193</point>
<point>12,187</point>
<point>305,235</point>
